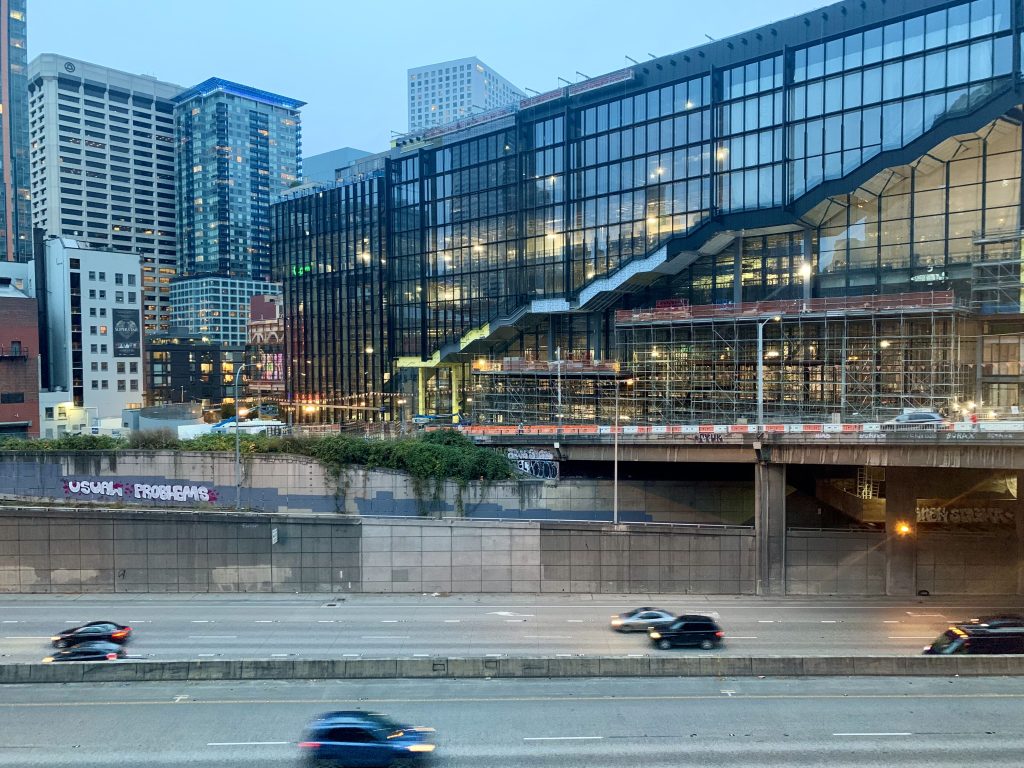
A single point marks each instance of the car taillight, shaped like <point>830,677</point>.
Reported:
<point>111,656</point>
<point>310,744</point>
<point>719,634</point>
<point>120,633</point>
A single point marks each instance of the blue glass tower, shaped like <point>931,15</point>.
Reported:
<point>239,148</point>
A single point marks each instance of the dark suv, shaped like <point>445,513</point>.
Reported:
<point>364,739</point>
<point>987,635</point>
<point>701,631</point>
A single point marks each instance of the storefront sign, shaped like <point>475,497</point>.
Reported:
<point>143,491</point>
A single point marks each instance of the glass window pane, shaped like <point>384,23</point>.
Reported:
<point>815,61</point>
<point>959,23</point>
<point>935,71</point>
<point>913,75</point>
<point>851,90</point>
<point>957,63</point>
<point>893,40</point>
<point>833,94</point>
<point>981,60</point>
<point>873,46</point>
<point>833,56</point>
<point>892,81</point>
<point>981,18</point>
<point>799,66</point>
<point>1001,15</point>
<point>853,48</point>
<point>873,85</point>
<point>935,29</point>
<point>1003,56</point>
<point>913,35</point>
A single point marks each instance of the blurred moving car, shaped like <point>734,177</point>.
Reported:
<point>91,650</point>
<point>95,630</point>
<point>926,420</point>
<point>985,635</point>
<point>693,629</point>
<point>641,619</point>
<point>364,739</point>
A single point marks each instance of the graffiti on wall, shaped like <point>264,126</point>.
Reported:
<point>113,489</point>
<point>535,463</point>
<point>965,515</point>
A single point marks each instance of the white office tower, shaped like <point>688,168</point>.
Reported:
<point>102,153</point>
<point>453,90</point>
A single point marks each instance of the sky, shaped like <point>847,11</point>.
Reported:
<point>348,59</point>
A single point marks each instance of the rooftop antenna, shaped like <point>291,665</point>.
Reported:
<point>709,37</point>
<point>651,55</point>
<point>632,59</point>
<point>533,91</point>
<point>562,79</point>
<point>585,77</point>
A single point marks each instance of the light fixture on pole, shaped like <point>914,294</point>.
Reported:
<point>238,460</point>
<point>760,367</point>
<point>615,453</point>
<point>805,273</point>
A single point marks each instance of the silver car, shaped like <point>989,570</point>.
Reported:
<point>641,619</point>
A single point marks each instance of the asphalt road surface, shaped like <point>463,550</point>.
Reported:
<point>321,626</point>
<point>598,723</point>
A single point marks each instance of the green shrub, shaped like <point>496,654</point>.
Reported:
<point>438,456</point>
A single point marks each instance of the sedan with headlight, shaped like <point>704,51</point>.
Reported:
<point>364,739</point>
<point>108,631</point>
<point>642,619</point>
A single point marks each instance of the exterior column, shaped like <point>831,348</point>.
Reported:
<point>1019,516</point>
<point>770,527</point>
<point>901,547</point>
<point>421,390</point>
<point>457,372</point>
<point>737,271</point>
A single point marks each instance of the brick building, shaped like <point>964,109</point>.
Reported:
<point>19,362</point>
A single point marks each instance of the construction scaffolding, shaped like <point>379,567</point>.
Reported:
<point>852,359</point>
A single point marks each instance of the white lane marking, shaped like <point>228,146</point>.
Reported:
<point>264,621</point>
<point>575,621</point>
<point>729,693</point>
<point>562,738</point>
<point>766,621</point>
<point>325,621</point>
<point>928,615</point>
<point>10,621</point>
<point>452,621</point>
<point>202,621</point>
<point>385,637</point>
<point>636,655</point>
<point>27,637</point>
<point>829,621</point>
<point>514,621</point>
<point>421,655</point>
<point>280,655</point>
<point>495,655</point>
<point>180,698</point>
<point>72,621</point>
<point>213,637</point>
<point>880,733</point>
<point>139,621</point>
<point>890,621</point>
<point>351,655</point>
<point>244,743</point>
<point>741,637</point>
<point>389,621</point>
<point>564,655</point>
<point>206,655</point>
<point>547,637</point>
<point>911,637</point>
<point>509,613</point>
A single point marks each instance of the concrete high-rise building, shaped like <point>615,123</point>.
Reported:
<point>215,307</point>
<point>92,313</point>
<point>15,230</point>
<point>103,166</point>
<point>449,91</point>
<point>239,148</point>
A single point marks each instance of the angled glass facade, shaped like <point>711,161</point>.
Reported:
<point>864,149</point>
<point>15,210</point>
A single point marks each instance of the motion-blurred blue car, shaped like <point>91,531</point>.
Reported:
<point>353,739</point>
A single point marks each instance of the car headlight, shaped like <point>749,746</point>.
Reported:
<point>48,660</point>
<point>421,747</point>
<point>616,622</point>
<point>655,635</point>
<point>55,638</point>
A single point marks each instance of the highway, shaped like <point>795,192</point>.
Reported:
<point>598,723</point>
<point>188,627</point>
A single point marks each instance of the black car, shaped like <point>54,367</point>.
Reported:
<point>91,650</point>
<point>990,635</point>
<point>364,739</point>
<point>701,631</point>
<point>96,630</point>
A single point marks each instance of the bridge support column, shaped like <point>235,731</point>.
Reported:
<point>421,390</point>
<point>901,530</point>
<point>770,527</point>
<point>1020,533</point>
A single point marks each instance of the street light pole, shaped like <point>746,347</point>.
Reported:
<point>238,460</point>
<point>558,359</point>
<point>615,459</point>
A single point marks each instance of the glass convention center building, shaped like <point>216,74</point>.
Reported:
<point>831,202</point>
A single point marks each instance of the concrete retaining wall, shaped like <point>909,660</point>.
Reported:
<point>87,550</point>
<point>279,483</point>
<point>835,563</point>
<point>466,668</point>
<point>967,563</point>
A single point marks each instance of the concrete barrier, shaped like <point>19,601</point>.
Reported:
<point>512,667</point>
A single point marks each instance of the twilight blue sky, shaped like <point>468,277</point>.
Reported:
<point>348,59</point>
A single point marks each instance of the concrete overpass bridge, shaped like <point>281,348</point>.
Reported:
<point>917,463</point>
